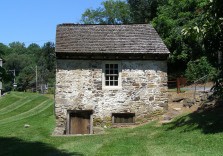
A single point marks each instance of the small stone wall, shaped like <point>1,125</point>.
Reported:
<point>79,87</point>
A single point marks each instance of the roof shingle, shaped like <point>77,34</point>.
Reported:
<point>134,38</point>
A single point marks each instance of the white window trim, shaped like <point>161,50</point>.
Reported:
<point>104,87</point>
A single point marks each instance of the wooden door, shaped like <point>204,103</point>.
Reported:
<point>80,123</point>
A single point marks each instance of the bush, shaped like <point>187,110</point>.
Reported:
<point>51,90</point>
<point>199,68</point>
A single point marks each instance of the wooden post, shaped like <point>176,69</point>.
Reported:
<point>195,85</point>
<point>178,85</point>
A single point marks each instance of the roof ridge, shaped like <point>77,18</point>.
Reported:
<point>79,24</point>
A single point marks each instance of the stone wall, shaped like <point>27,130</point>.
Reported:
<point>79,87</point>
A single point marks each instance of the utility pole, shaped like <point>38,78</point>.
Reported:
<point>36,78</point>
<point>14,84</point>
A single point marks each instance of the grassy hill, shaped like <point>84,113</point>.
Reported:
<point>199,133</point>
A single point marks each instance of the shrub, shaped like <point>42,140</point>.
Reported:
<point>199,68</point>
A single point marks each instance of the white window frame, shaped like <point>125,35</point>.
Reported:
<point>119,76</point>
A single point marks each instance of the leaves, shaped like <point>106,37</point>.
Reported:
<point>111,12</point>
<point>24,61</point>
<point>171,21</point>
<point>199,68</point>
<point>143,11</point>
<point>47,63</point>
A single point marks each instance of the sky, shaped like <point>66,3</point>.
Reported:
<point>35,21</point>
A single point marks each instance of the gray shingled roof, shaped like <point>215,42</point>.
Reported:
<point>134,38</point>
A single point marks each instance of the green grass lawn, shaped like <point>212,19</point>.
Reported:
<point>195,134</point>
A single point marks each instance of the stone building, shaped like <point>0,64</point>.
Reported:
<point>107,75</point>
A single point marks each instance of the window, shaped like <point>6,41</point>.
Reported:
<point>111,75</point>
<point>123,118</point>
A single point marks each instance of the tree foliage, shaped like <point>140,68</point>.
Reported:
<point>143,11</point>
<point>3,75</point>
<point>17,47</point>
<point>47,63</point>
<point>208,29</point>
<point>3,49</point>
<point>170,21</point>
<point>200,68</point>
<point>24,60</point>
<point>111,12</point>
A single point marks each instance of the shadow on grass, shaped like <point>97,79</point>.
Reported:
<point>18,147</point>
<point>208,120</point>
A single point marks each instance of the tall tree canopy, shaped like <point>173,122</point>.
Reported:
<point>47,64</point>
<point>111,12</point>
<point>143,11</point>
<point>208,29</point>
<point>170,21</point>
<point>23,60</point>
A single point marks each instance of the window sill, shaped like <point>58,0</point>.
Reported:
<point>111,88</point>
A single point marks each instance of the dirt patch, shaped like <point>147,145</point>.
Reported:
<point>176,107</point>
<point>182,103</point>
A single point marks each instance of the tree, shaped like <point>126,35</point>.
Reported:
<point>200,68</point>
<point>111,12</point>
<point>20,63</point>
<point>17,47</point>
<point>26,78</point>
<point>213,38</point>
<point>3,50</point>
<point>170,21</point>
<point>34,51</point>
<point>47,64</point>
<point>143,11</point>
<point>3,73</point>
<point>24,60</point>
<point>208,29</point>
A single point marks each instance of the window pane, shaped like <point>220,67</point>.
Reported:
<point>116,66</point>
<point>116,83</point>
<point>116,77</point>
<point>107,72</point>
<point>116,72</point>
<point>107,66</point>
<point>107,83</point>
<point>111,66</point>
<point>107,78</point>
<point>111,78</point>
<point>111,83</point>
